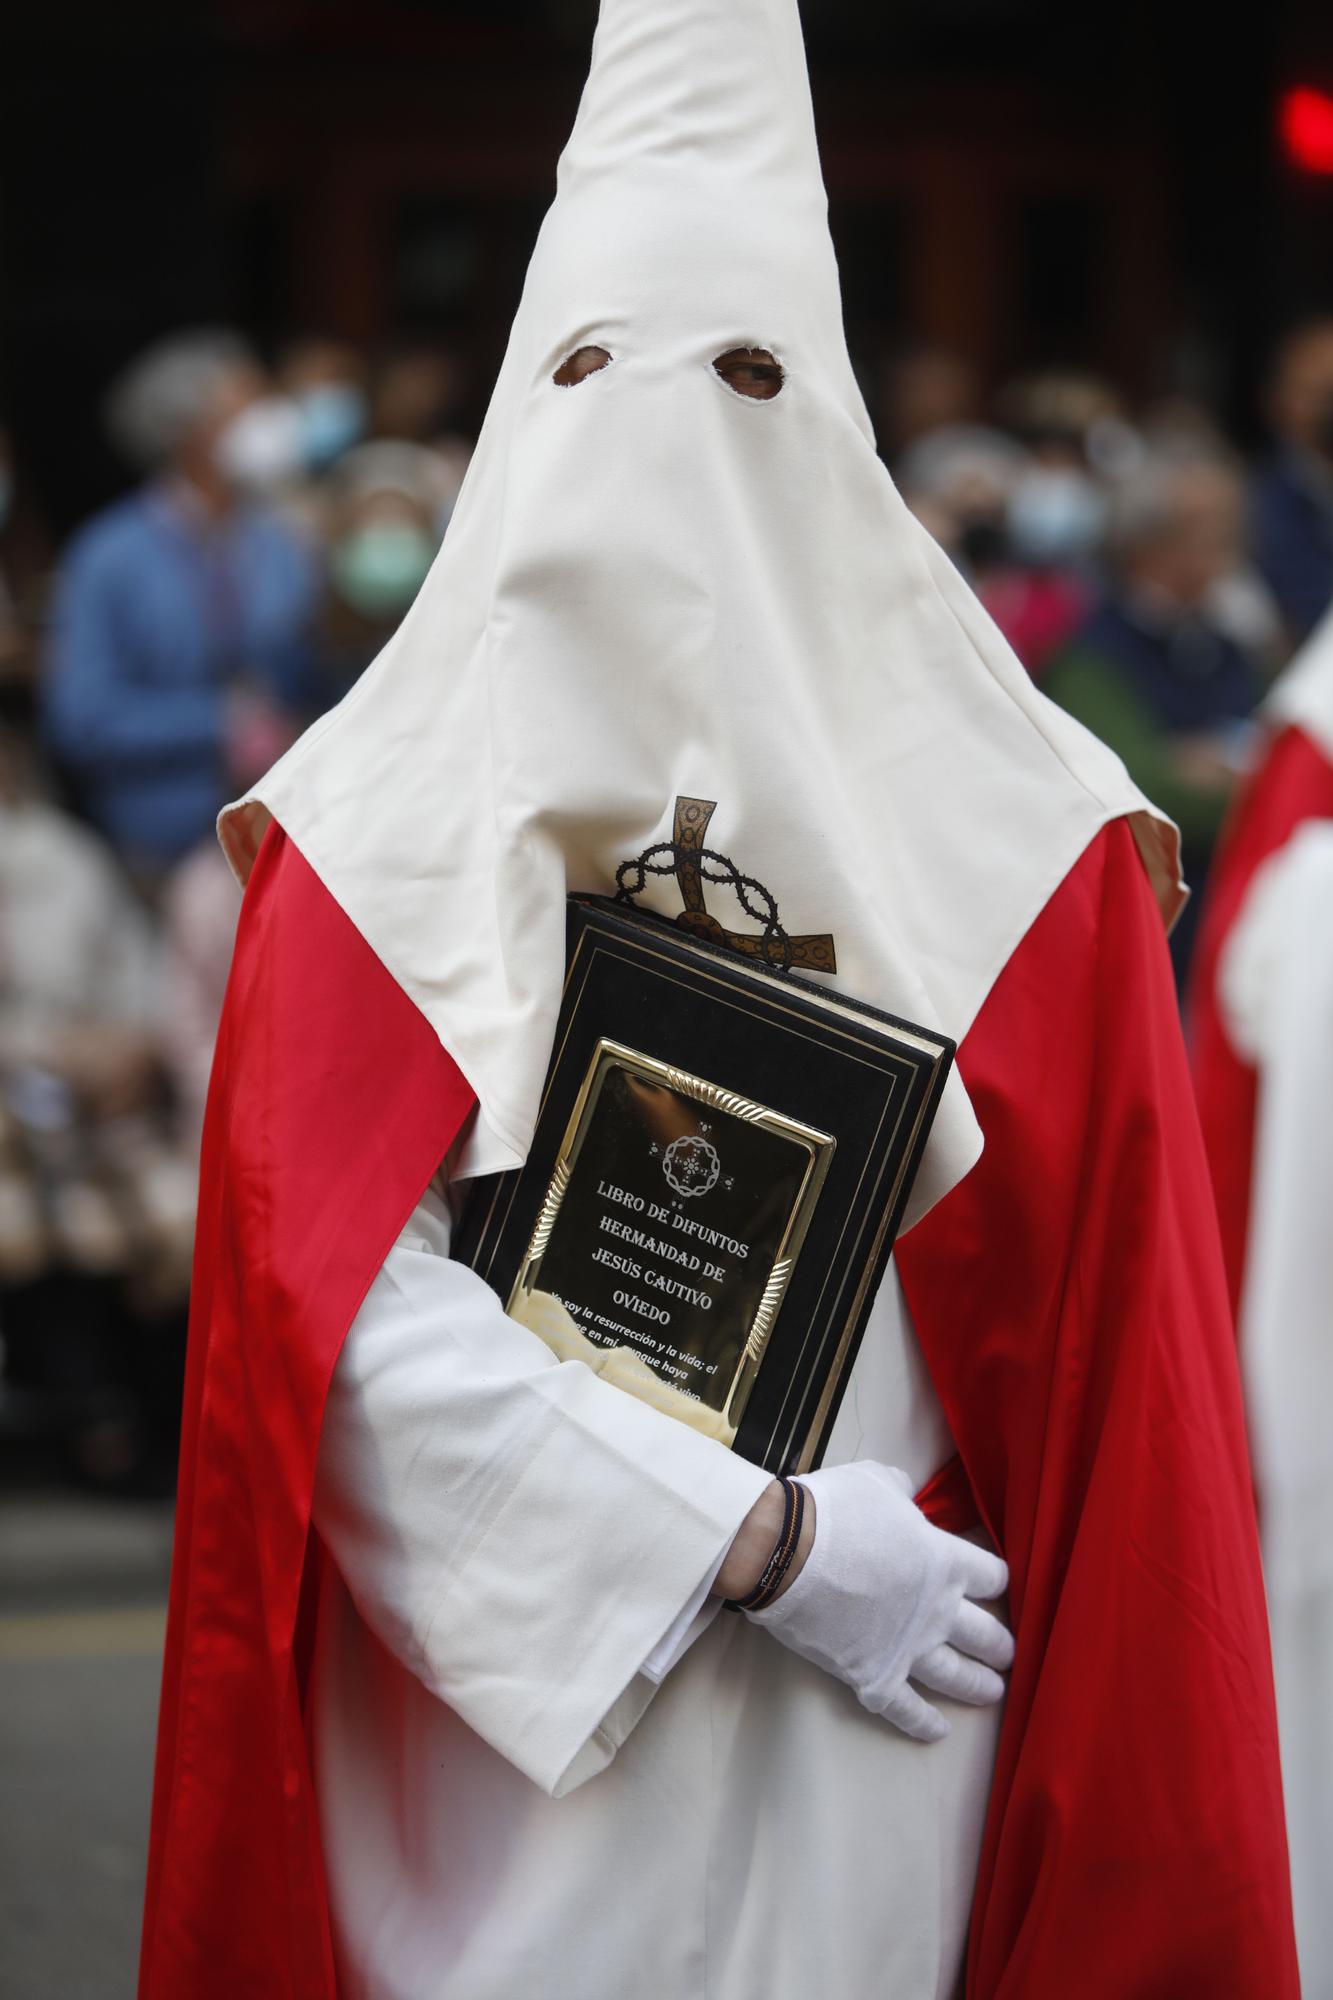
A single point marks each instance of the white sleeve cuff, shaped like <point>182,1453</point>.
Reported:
<point>693,1621</point>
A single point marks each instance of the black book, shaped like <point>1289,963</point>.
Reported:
<point>720,1164</point>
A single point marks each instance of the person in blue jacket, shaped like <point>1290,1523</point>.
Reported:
<point>182,652</point>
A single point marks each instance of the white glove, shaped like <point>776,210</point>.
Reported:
<point>884,1597</point>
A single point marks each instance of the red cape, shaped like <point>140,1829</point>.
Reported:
<point>1294,783</point>
<point>331,1105</point>
<point>1068,1297</point>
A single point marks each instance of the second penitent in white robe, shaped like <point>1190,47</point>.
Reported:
<point>1276,987</point>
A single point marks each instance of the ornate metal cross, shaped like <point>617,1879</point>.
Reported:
<point>695,863</point>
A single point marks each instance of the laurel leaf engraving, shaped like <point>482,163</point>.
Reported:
<point>768,1309</point>
<point>550,1209</point>
<point>714,1096</point>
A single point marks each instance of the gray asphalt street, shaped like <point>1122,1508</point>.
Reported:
<point>82,1591</point>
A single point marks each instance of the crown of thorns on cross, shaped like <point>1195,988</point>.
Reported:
<point>693,864</point>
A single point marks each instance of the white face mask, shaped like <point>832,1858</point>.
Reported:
<point>261,447</point>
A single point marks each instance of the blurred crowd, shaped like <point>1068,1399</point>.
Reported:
<point>283,519</point>
<point>1150,579</point>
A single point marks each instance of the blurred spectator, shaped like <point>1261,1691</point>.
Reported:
<point>1179,419</point>
<point>1293,494</point>
<point>24,569</point>
<point>1147,671</point>
<point>1023,533</point>
<point>958,481</point>
<point>419,396</point>
<point>1057,517</point>
<point>183,630</point>
<point>1024,516</point>
<point>924,389</point>
<point>1040,594</point>
<point>79,997</point>
<point>1239,604</point>
<point>326,379</point>
<point>418,392</point>
<point>388,505</point>
<point>1069,421</point>
<point>382,510</point>
<point>96,1200</point>
<point>11,631</point>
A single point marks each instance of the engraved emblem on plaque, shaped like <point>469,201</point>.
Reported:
<point>691,1165</point>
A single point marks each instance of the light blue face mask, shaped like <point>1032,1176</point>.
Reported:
<point>333,419</point>
<point>379,569</point>
<point>1055,516</point>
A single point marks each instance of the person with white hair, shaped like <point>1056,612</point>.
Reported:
<point>183,617</point>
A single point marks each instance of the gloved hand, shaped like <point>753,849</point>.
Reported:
<point>884,1597</point>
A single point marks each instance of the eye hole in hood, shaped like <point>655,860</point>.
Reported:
<point>752,372</point>
<point>576,367</point>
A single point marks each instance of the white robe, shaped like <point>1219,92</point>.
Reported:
<point>1277,991</point>
<point>509,1805</point>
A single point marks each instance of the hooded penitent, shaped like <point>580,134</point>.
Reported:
<point>1292,783</point>
<point>654,587</point>
<point>1261,1040</point>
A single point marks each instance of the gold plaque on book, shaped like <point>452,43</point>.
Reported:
<point>668,1234</point>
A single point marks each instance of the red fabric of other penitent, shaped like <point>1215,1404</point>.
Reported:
<point>1294,783</point>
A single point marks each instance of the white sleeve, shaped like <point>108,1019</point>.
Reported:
<point>522,1535</point>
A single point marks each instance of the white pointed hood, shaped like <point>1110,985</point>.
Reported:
<point>653,586</point>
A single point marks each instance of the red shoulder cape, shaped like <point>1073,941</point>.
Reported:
<point>1069,1299</point>
<point>1068,1296</point>
<point>330,1107</point>
<point>1293,783</point>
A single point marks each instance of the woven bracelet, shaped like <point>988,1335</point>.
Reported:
<point>775,1569</point>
